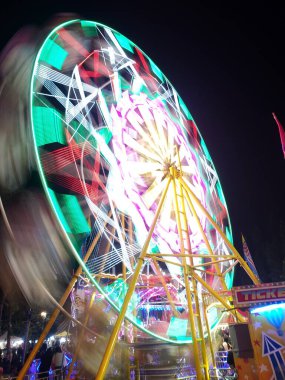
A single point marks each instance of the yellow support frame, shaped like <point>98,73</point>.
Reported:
<point>113,338</point>
<point>174,174</point>
<point>56,312</point>
<point>188,271</point>
<point>236,255</point>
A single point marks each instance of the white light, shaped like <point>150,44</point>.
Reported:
<point>43,314</point>
<point>17,342</point>
<point>268,308</point>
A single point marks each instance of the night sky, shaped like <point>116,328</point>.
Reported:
<point>228,65</point>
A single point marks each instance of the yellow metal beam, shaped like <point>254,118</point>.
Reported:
<point>174,174</point>
<point>214,262</point>
<point>229,257</point>
<point>208,331</point>
<point>56,312</point>
<point>113,338</point>
<point>168,261</point>
<point>226,240</point>
<point>206,241</point>
<point>182,193</point>
<point>214,293</point>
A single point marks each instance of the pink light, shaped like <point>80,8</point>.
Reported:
<point>145,134</point>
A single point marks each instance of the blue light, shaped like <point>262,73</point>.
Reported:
<point>268,308</point>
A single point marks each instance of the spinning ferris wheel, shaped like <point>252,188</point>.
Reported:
<point>124,164</point>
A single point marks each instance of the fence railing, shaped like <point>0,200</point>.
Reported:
<point>180,371</point>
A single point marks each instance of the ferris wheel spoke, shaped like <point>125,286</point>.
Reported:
<point>171,142</point>
<point>62,99</point>
<point>188,170</point>
<point>139,148</point>
<point>161,131</point>
<point>115,82</point>
<point>140,168</point>
<point>51,75</point>
<point>153,192</point>
<point>102,106</point>
<point>148,119</point>
<point>167,219</point>
<point>136,122</point>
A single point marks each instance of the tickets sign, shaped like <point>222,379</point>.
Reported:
<point>252,295</point>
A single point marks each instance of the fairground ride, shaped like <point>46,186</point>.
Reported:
<point>135,191</point>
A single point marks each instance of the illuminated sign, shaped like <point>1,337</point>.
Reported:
<point>252,295</point>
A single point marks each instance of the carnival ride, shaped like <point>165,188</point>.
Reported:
<point>135,191</point>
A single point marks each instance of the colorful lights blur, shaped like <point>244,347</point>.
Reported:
<point>107,126</point>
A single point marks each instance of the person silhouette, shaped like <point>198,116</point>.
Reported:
<point>58,362</point>
<point>46,358</point>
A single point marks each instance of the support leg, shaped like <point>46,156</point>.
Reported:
<point>113,338</point>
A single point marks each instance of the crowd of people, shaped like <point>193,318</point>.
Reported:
<point>50,357</point>
<point>11,362</point>
<point>53,358</point>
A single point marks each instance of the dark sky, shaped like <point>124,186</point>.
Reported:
<point>228,65</point>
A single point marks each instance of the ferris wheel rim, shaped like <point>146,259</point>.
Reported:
<point>75,252</point>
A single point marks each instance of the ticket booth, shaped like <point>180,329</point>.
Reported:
<point>259,345</point>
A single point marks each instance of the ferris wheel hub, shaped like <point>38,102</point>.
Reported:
<point>174,171</point>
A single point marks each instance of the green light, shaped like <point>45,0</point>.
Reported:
<point>58,210</point>
<point>229,280</point>
<point>74,214</point>
<point>106,134</point>
<point>82,134</point>
<point>212,316</point>
<point>177,328</point>
<point>89,28</point>
<point>53,54</point>
<point>215,321</point>
<point>185,109</point>
<point>123,41</point>
<point>48,126</point>
<point>156,70</point>
<point>155,249</point>
<point>205,150</point>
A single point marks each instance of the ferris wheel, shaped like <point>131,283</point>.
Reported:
<point>123,164</point>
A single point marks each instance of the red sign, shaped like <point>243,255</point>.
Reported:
<point>252,295</point>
